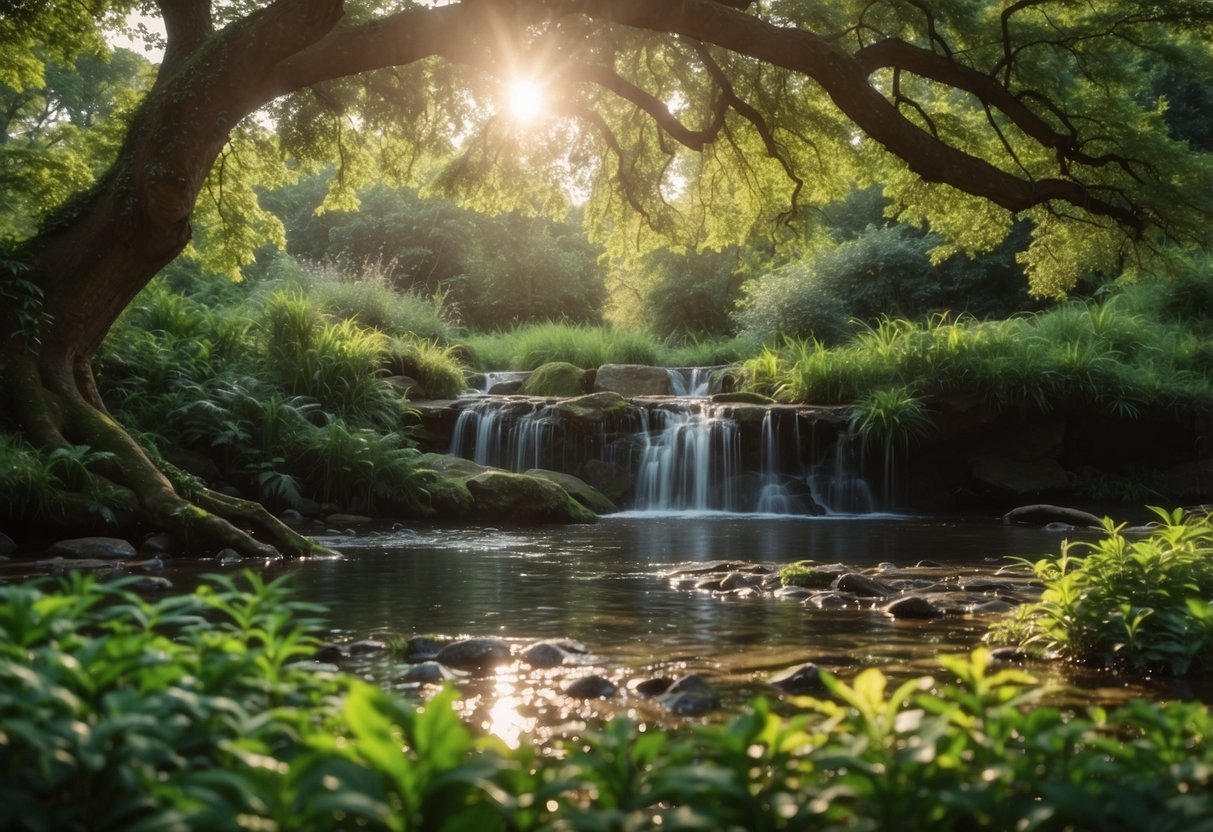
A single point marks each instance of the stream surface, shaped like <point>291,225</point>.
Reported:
<point>605,585</point>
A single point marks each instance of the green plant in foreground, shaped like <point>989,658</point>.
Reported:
<point>193,712</point>
<point>1142,604</point>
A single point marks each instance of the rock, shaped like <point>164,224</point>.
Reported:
<point>557,378</point>
<point>149,565</point>
<point>707,585</point>
<point>506,388</point>
<point>793,592</point>
<point>912,606</point>
<point>545,654</point>
<point>329,653</point>
<point>578,489</point>
<point>592,410</point>
<point>863,586</point>
<point>8,546</point>
<point>365,647</point>
<point>149,583</point>
<point>741,580</point>
<point>421,649</point>
<point>289,516</point>
<point>986,585</point>
<point>160,544</point>
<point>474,654</point>
<point>1009,655</point>
<point>103,548</point>
<point>591,687</point>
<point>1015,476</point>
<point>654,687</point>
<point>632,380</point>
<point>517,498</point>
<point>690,696</point>
<point>1042,514</point>
<point>803,680</point>
<point>427,673</point>
<point>229,556</point>
<point>826,600</point>
<point>340,520</point>
<point>741,397</point>
<point>613,481</point>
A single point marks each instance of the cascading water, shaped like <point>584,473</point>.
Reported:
<point>688,462</point>
<point>684,454</point>
<point>692,382</point>
<point>502,438</point>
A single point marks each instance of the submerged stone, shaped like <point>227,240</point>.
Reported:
<point>365,647</point>
<point>912,606</point>
<point>474,654</point>
<point>690,696</point>
<point>591,687</point>
<point>421,649</point>
<point>862,585</point>
<point>803,680</point>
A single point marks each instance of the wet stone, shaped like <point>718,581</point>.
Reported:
<point>862,585</point>
<point>826,600</point>
<point>803,680</point>
<point>912,606</point>
<point>591,687</point>
<point>153,584</point>
<point>708,584</point>
<point>545,654</point>
<point>329,653</point>
<point>229,556</point>
<point>159,544</point>
<point>474,654</point>
<point>421,649</point>
<point>690,696</point>
<point>795,592</point>
<point>426,672</point>
<point>1009,655</point>
<point>102,548</point>
<point>365,647</point>
<point>654,687</point>
<point>740,580</point>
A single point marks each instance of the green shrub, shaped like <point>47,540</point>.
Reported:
<point>200,712</point>
<point>1143,604</point>
<point>431,365</point>
<point>802,574</point>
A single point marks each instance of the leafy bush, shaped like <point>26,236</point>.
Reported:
<point>195,712</point>
<point>431,365</point>
<point>529,347</point>
<point>1139,604</point>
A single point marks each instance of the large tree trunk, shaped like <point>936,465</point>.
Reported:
<point>94,257</point>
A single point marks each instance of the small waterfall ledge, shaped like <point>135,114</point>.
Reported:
<point>684,453</point>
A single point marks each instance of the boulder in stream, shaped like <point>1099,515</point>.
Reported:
<point>474,654</point>
<point>101,548</point>
<point>1043,514</point>
<point>690,696</point>
<point>632,380</point>
<point>578,489</point>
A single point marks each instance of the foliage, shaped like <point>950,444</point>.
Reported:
<point>199,712</point>
<point>492,271</point>
<point>288,402</point>
<point>436,368</point>
<point>677,294</point>
<point>526,348</point>
<point>801,573</point>
<point>1137,603</point>
<point>885,270</point>
<point>1113,358</point>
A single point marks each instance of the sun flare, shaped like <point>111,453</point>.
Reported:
<point>526,100</point>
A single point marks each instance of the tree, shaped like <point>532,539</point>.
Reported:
<point>969,113</point>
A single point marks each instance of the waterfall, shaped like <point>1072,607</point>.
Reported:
<point>489,434</point>
<point>694,381</point>
<point>840,487</point>
<point>687,455</point>
<point>688,462</point>
<point>774,497</point>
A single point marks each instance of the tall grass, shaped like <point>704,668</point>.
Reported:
<point>528,347</point>
<point>1106,357</point>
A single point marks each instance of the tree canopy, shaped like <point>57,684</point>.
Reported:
<point>691,123</point>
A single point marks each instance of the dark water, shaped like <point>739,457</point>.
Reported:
<point>604,585</point>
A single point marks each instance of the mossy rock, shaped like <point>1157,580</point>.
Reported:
<point>465,490</point>
<point>803,574</point>
<point>592,409</point>
<point>578,489</point>
<point>518,498</point>
<point>559,378</point>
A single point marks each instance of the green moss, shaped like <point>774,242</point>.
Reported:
<point>802,573</point>
<point>557,378</point>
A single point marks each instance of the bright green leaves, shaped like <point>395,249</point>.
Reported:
<point>1135,602</point>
